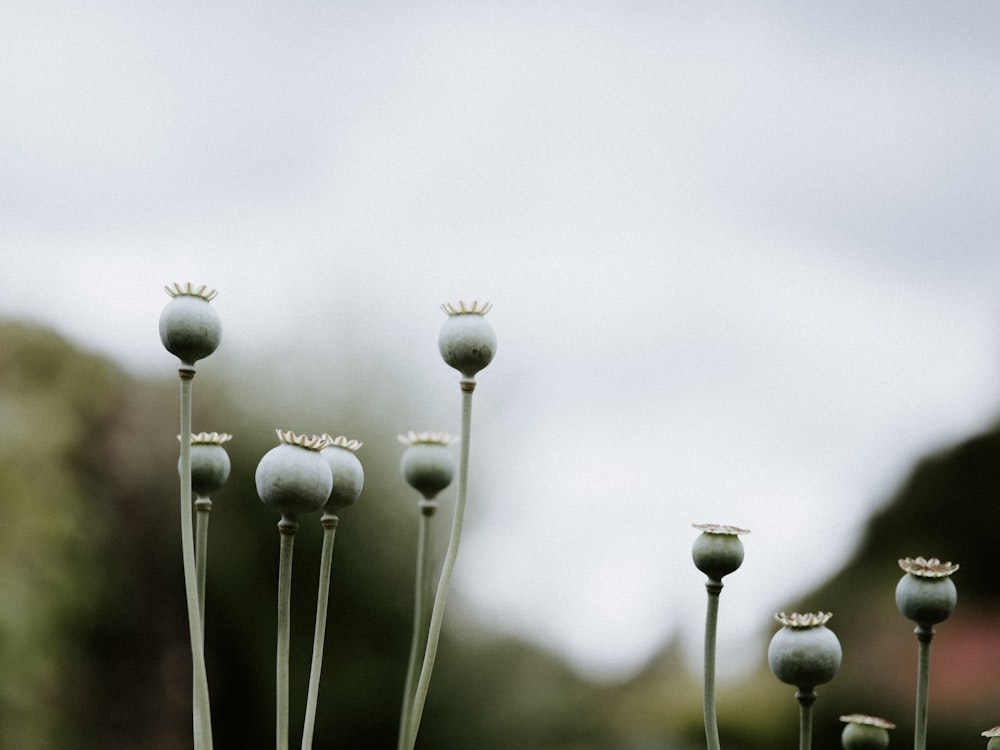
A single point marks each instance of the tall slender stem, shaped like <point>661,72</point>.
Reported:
<point>714,588</point>
<point>329,522</point>
<point>421,602</point>
<point>202,717</point>
<point>287,528</point>
<point>203,509</point>
<point>806,698</point>
<point>468,385</point>
<point>924,635</point>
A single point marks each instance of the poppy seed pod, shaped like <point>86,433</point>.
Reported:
<point>467,342</point>
<point>717,551</point>
<point>209,462</point>
<point>345,470</point>
<point>994,735</point>
<point>189,326</point>
<point>294,477</point>
<point>804,653</point>
<point>865,732</point>
<point>926,594</point>
<point>427,464</point>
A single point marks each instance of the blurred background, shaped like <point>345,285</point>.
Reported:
<point>742,267</point>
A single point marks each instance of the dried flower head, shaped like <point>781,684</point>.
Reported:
<point>434,438</point>
<point>807,620</point>
<point>342,442</point>
<point>187,289</point>
<point>210,438</point>
<point>994,732</point>
<point>313,442</point>
<point>871,721</point>
<point>715,528</point>
<point>927,568</point>
<point>461,309</point>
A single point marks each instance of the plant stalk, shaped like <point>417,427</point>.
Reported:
<point>806,699</point>
<point>924,635</point>
<point>329,522</point>
<point>203,509</point>
<point>468,385</point>
<point>287,528</point>
<point>202,716</point>
<point>714,588</point>
<point>421,602</point>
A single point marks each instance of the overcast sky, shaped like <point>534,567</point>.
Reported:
<point>742,256</point>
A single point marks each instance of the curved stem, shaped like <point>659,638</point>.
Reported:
<point>447,569</point>
<point>714,588</point>
<point>421,600</point>
<point>329,522</point>
<point>287,529</point>
<point>924,635</point>
<point>202,717</point>
<point>203,509</point>
<point>806,699</point>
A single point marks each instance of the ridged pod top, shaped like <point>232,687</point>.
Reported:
<point>313,442</point>
<point>927,568</point>
<point>188,289</point>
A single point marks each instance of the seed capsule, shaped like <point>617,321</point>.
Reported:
<point>427,464</point>
<point>210,463</point>
<point>717,551</point>
<point>346,471</point>
<point>189,326</point>
<point>294,477</point>
<point>467,342</point>
<point>865,732</point>
<point>994,735</point>
<point>926,594</point>
<point>804,653</point>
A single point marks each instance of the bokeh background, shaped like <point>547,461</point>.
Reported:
<point>743,272</point>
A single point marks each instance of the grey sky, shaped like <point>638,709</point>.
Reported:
<point>741,256</point>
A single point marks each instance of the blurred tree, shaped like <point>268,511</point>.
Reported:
<point>93,632</point>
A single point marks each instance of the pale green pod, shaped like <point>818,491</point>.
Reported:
<point>347,474</point>
<point>804,653</point>
<point>294,477</point>
<point>926,594</point>
<point>717,551</point>
<point>466,341</point>
<point>994,735</point>
<point>865,732</point>
<point>210,463</point>
<point>190,328</point>
<point>427,464</point>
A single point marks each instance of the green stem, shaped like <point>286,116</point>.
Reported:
<point>924,635</point>
<point>714,588</point>
<point>421,600</point>
<point>202,717</point>
<point>806,699</point>
<point>329,522</point>
<point>203,509</point>
<point>447,569</point>
<point>287,528</point>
